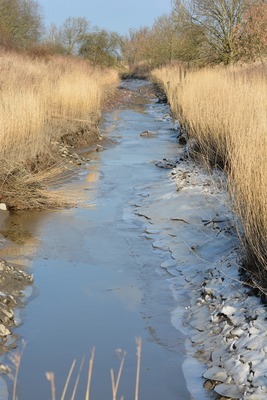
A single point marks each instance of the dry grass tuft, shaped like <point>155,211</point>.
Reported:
<point>224,111</point>
<point>23,190</point>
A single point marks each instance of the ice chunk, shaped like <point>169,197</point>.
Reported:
<point>231,391</point>
<point>216,374</point>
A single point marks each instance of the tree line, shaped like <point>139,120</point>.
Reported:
<point>196,31</point>
<point>22,27</point>
<point>202,32</point>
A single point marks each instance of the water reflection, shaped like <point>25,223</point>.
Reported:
<point>19,243</point>
<point>93,269</point>
<point>19,231</point>
<point>129,295</point>
<point>18,240</point>
<point>93,175</point>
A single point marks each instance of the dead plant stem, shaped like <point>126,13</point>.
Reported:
<point>77,380</point>
<point>138,341</point>
<point>68,380</point>
<point>90,371</point>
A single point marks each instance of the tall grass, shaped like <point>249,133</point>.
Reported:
<point>38,97</point>
<point>42,100</point>
<point>224,111</point>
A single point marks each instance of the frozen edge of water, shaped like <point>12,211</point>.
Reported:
<point>226,325</point>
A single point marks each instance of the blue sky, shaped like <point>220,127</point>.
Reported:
<point>112,15</point>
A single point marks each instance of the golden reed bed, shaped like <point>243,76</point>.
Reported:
<point>225,111</point>
<point>41,101</point>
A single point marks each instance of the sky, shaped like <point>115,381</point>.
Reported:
<point>112,15</point>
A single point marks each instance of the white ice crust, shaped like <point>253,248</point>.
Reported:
<point>190,219</point>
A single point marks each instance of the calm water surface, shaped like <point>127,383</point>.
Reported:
<point>96,276</point>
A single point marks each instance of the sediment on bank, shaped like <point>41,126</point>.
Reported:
<point>223,113</point>
<point>49,108</point>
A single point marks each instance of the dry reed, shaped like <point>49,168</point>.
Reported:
<point>36,94</point>
<point>50,376</point>
<point>224,111</point>
<point>42,100</point>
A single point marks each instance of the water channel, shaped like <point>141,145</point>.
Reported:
<point>96,275</point>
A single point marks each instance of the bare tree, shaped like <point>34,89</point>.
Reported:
<point>192,36</point>
<point>72,33</point>
<point>166,40</point>
<point>253,32</point>
<point>21,21</point>
<point>202,31</point>
<point>172,37</point>
<point>102,47</point>
<point>52,34</point>
<point>220,20</point>
<point>137,46</point>
<point>52,40</point>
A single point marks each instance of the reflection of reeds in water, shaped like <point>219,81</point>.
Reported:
<point>19,239</point>
<point>15,233</point>
<point>93,175</point>
<point>16,360</point>
<point>115,379</point>
<point>19,247</point>
<point>81,193</point>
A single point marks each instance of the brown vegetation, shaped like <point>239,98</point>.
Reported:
<point>202,32</point>
<point>224,111</point>
<point>48,96</point>
<point>41,101</point>
<point>20,23</point>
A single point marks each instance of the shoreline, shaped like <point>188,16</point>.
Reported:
<point>188,218</point>
<point>224,321</point>
<point>71,153</point>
